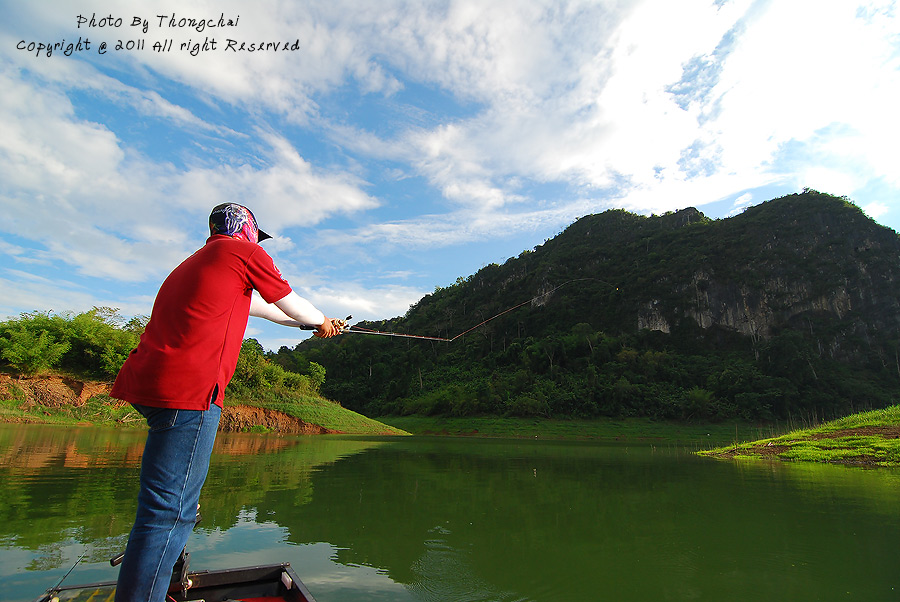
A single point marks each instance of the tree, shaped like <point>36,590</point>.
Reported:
<point>28,350</point>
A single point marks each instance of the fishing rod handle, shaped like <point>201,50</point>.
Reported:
<point>311,327</point>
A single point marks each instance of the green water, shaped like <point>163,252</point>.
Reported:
<point>415,519</point>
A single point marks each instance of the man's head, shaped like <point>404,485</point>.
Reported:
<point>236,221</point>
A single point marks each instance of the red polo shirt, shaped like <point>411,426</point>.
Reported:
<point>196,328</point>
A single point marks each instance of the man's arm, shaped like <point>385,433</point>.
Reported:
<point>292,310</point>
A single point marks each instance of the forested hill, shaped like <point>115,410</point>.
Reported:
<point>790,309</point>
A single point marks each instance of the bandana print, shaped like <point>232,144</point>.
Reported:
<point>234,220</point>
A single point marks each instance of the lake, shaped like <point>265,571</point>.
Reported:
<point>465,519</point>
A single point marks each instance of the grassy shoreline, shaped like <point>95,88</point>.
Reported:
<point>101,410</point>
<point>867,439</point>
<point>863,439</point>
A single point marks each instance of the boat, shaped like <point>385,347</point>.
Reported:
<point>265,583</point>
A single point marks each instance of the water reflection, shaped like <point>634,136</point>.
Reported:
<point>448,519</point>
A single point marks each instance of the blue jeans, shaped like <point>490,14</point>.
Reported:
<point>173,469</point>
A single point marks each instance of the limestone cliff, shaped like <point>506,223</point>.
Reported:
<point>807,261</point>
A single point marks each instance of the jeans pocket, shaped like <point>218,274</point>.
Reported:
<point>158,418</point>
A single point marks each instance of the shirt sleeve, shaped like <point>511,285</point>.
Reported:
<point>265,277</point>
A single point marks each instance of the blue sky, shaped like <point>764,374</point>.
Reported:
<point>404,144</point>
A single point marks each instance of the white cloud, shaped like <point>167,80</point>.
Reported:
<point>502,118</point>
<point>743,200</point>
<point>366,303</point>
<point>576,92</point>
<point>99,206</point>
<point>740,203</point>
<point>801,67</point>
<point>286,191</point>
<point>23,291</point>
<point>457,228</point>
<point>834,181</point>
<point>876,210</point>
<point>64,180</point>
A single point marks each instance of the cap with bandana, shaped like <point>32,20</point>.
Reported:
<point>236,221</point>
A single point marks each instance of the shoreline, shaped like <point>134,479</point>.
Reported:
<point>868,439</point>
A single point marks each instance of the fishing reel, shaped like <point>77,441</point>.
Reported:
<point>342,326</point>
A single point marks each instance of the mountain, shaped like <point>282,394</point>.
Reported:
<point>790,309</point>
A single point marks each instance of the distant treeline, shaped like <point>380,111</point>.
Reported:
<point>583,372</point>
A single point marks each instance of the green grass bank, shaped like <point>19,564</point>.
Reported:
<point>54,399</point>
<point>864,439</point>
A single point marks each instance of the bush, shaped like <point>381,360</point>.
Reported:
<point>28,347</point>
<point>256,375</point>
<point>91,342</point>
<point>98,344</point>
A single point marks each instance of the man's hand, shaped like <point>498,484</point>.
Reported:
<point>327,329</point>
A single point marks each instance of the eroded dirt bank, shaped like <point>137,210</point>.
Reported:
<point>241,418</point>
<point>50,391</point>
<point>54,392</point>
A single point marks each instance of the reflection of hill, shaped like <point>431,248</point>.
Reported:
<point>32,448</point>
<point>316,450</point>
<point>229,444</point>
<point>517,518</point>
<point>499,520</point>
<point>238,482</point>
<point>409,509</point>
<point>62,483</point>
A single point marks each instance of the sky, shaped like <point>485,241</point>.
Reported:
<point>392,147</point>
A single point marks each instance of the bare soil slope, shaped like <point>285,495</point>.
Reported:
<point>54,391</point>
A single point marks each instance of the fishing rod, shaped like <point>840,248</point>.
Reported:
<point>83,554</point>
<point>344,327</point>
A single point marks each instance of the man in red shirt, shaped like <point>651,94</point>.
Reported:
<point>176,378</point>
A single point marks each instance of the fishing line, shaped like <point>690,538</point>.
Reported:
<point>361,330</point>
